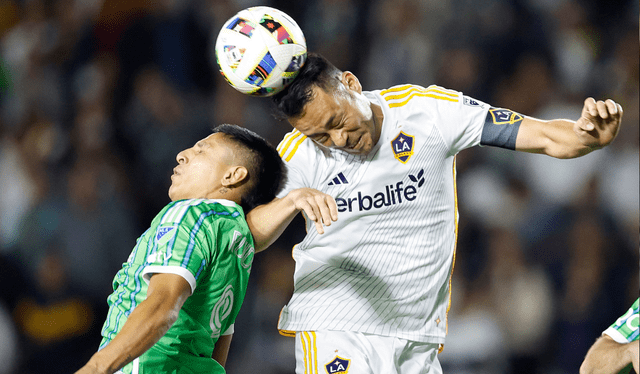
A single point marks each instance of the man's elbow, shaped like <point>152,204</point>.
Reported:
<point>565,153</point>
<point>165,320</point>
<point>587,366</point>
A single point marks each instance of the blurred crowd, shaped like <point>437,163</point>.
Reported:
<point>98,96</point>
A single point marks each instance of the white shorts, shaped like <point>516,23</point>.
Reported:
<point>341,352</point>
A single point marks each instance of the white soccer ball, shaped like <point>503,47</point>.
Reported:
<point>260,50</point>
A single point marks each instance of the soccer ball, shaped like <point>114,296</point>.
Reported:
<point>260,50</point>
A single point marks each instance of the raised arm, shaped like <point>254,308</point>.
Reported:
<point>608,356</point>
<point>267,222</point>
<point>148,322</point>
<point>597,126</point>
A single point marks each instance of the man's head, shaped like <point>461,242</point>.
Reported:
<point>232,163</point>
<point>328,106</point>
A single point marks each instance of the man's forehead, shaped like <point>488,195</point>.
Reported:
<point>316,112</point>
<point>214,139</point>
<point>206,142</point>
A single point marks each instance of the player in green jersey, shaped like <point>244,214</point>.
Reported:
<point>617,348</point>
<point>176,298</point>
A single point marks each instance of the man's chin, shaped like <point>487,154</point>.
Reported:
<point>172,194</point>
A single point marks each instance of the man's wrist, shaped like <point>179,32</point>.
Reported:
<point>99,363</point>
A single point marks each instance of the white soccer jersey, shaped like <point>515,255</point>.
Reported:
<point>385,266</point>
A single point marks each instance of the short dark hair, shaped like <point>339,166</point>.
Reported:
<point>316,71</point>
<point>267,172</point>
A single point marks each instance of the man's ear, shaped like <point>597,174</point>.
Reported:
<point>235,175</point>
<point>351,81</point>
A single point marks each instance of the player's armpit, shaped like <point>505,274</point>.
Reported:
<point>221,350</point>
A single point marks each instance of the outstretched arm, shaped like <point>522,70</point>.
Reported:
<point>267,222</point>
<point>221,350</point>
<point>597,126</point>
<point>608,356</point>
<point>148,322</point>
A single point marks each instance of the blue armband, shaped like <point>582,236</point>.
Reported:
<point>501,128</point>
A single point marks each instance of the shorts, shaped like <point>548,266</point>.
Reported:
<point>154,362</point>
<point>341,352</point>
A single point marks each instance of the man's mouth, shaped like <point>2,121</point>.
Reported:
<point>357,145</point>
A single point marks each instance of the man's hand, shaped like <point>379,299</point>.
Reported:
<point>267,222</point>
<point>599,123</point>
<point>318,206</point>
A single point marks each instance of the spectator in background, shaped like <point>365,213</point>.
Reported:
<point>56,321</point>
<point>165,121</point>
<point>397,32</point>
<point>89,211</point>
<point>332,28</point>
<point>521,295</point>
<point>9,351</point>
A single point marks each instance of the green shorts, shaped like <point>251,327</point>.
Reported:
<point>153,361</point>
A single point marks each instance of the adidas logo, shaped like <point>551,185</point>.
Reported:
<point>340,179</point>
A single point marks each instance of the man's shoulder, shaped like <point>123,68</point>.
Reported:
<point>192,211</point>
<point>296,145</point>
<point>403,94</point>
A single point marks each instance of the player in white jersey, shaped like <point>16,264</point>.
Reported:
<point>384,162</point>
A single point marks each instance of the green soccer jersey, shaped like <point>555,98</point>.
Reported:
<point>625,329</point>
<point>209,244</point>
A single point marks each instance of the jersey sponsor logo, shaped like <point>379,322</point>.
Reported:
<point>392,194</point>
<point>338,365</point>
<point>339,179</point>
<point>402,147</point>
<point>157,257</point>
<point>501,116</point>
<point>243,249</point>
<point>221,311</point>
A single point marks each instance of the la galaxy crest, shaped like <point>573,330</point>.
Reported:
<point>504,116</point>
<point>402,147</point>
<point>338,365</point>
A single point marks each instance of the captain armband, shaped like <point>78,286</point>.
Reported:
<point>501,128</point>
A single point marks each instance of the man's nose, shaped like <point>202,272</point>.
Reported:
<point>339,137</point>
<point>181,157</point>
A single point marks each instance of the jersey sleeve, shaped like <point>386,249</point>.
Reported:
<point>230,330</point>
<point>181,249</point>
<point>625,329</point>
<point>298,153</point>
<point>459,118</point>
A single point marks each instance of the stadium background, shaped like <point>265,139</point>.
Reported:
<point>97,97</point>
